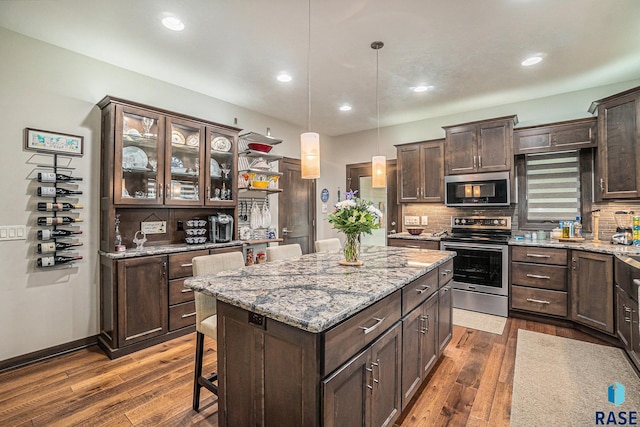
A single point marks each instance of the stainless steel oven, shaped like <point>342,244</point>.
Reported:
<point>481,267</point>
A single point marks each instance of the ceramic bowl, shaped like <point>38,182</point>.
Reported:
<point>415,231</point>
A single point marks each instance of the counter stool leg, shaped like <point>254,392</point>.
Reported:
<point>198,370</point>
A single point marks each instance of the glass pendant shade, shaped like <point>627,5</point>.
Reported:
<point>378,171</point>
<point>310,155</point>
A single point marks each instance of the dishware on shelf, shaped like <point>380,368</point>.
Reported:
<point>260,184</point>
<point>214,170</point>
<point>176,163</point>
<point>134,157</point>
<point>221,143</point>
<point>266,215</point>
<point>226,168</point>
<point>177,137</point>
<point>147,122</point>
<point>260,164</point>
<point>193,140</point>
<point>258,146</point>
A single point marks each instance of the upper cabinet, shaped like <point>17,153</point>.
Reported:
<point>569,135</point>
<point>421,171</point>
<point>482,146</point>
<point>155,157</point>
<point>618,161</point>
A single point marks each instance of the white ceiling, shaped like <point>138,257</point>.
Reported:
<point>470,50</point>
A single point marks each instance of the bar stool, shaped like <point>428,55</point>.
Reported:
<point>283,252</point>
<point>206,318</point>
<point>328,245</point>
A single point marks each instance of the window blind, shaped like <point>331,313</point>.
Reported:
<point>553,186</point>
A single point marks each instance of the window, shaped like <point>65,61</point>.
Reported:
<point>550,189</point>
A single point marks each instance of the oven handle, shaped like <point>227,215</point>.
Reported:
<point>496,248</point>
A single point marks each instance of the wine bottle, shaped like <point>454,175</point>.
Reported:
<point>56,207</point>
<point>53,234</point>
<point>57,220</point>
<point>45,248</point>
<point>56,177</point>
<point>50,261</point>
<point>55,191</point>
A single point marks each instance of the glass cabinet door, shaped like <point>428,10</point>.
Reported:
<point>184,163</point>
<point>221,168</point>
<point>139,157</point>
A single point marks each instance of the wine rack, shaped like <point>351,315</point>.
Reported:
<point>54,246</point>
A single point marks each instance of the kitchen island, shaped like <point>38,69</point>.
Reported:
<point>307,341</point>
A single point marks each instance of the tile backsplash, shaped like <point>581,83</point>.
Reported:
<point>440,215</point>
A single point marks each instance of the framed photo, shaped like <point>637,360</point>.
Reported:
<point>53,142</point>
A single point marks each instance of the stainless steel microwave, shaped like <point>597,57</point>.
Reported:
<point>483,189</point>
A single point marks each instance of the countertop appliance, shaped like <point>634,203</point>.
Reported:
<point>624,228</point>
<point>482,189</point>
<point>481,268</point>
<point>220,228</point>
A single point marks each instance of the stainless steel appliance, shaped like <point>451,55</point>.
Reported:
<point>481,268</point>
<point>483,189</point>
<point>220,228</point>
<point>624,228</point>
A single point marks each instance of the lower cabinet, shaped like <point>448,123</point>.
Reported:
<point>591,290</point>
<point>366,390</point>
<point>419,345</point>
<point>627,324</point>
<point>445,317</point>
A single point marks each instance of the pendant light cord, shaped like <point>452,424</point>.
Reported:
<point>309,71</point>
<point>377,101</point>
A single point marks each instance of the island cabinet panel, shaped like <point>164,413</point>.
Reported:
<point>445,317</point>
<point>366,390</point>
<point>592,290</point>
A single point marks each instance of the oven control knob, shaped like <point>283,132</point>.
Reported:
<point>503,222</point>
<point>457,221</point>
<point>464,221</point>
<point>495,221</point>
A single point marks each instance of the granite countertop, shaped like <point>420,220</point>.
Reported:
<point>587,245</point>
<point>407,236</point>
<point>314,292</point>
<point>167,249</point>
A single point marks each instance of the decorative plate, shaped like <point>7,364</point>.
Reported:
<point>177,137</point>
<point>193,140</point>
<point>215,169</point>
<point>220,143</point>
<point>134,157</point>
<point>176,163</point>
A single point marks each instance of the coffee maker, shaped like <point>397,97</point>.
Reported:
<point>220,228</point>
<point>624,230</point>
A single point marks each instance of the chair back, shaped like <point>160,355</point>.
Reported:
<point>284,252</point>
<point>328,245</point>
<point>212,264</point>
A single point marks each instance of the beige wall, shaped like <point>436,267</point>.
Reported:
<point>49,88</point>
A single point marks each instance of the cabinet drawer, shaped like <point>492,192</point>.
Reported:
<point>539,255</point>
<point>180,264</point>
<point>417,244</point>
<point>445,273</point>
<point>225,249</point>
<point>343,341</point>
<point>548,277</point>
<point>182,315</point>
<point>178,293</point>
<point>418,290</point>
<point>539,300</point>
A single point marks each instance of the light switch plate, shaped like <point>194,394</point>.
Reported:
<point>411,220</point>
<point>424,220</point>
<point>13,232</point>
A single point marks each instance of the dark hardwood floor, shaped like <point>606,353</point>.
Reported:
<point>470,386</point>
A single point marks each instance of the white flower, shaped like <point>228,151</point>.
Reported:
<point>349,203</point>
<point>375,211</point>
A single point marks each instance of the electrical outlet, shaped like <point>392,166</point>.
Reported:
<point>13,232</point>
<point>411,220</point>
<point>180,226</point>
<point>424,220</point>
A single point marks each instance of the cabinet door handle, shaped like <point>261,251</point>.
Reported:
<point>373,365</point>
<point>627,319</point>
<point>413,246</point>
<point>474,162</point>
<point>164,269</point>
<point>626,309</point>
<point>479,162</point>
<point>538,256</point>
<point>184,291</point>
<point>538,276</point>
<point>423,289</point>
<point>445,273</point>
<point>370,386</point>
<point>160,187</point>
<point>186,265</point>
<point>209,192</point>
<point>602,185</point>
<point>538,301</point>
<point>372,328</point>
<point>184,316</point>
<point>168,191</point>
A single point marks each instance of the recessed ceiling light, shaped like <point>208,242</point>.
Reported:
<point>284,77</point>
<point>345,108</point>
<point>532,60</point>
<point>422,88</point>
<point>173,23</point>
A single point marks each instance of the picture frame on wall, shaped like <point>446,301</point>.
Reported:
<point>53,142</point>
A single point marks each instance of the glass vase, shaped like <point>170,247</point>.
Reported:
<point>352,248</point>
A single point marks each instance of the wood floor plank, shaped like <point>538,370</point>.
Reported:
<point>488,382</point>
<point>457,407</point>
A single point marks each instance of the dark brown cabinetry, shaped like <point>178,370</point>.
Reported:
<point>592,290</point>
<point>569,135</point>
<point>414,243</point>
<point>421,172</point>
<point>539,280</point>
<point>482,146</point>
<point>627,274</point>
<point>445,317</point>
<point>618,161</point>
<point>182,308</point>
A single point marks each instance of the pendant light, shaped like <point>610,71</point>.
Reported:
<point>309,141</point>
<point>378,162</point>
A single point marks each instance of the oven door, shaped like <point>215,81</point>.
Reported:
<point>480,267</point>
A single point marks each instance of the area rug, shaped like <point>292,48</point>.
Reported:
<point>564,382</point>
<point>479,321</point>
